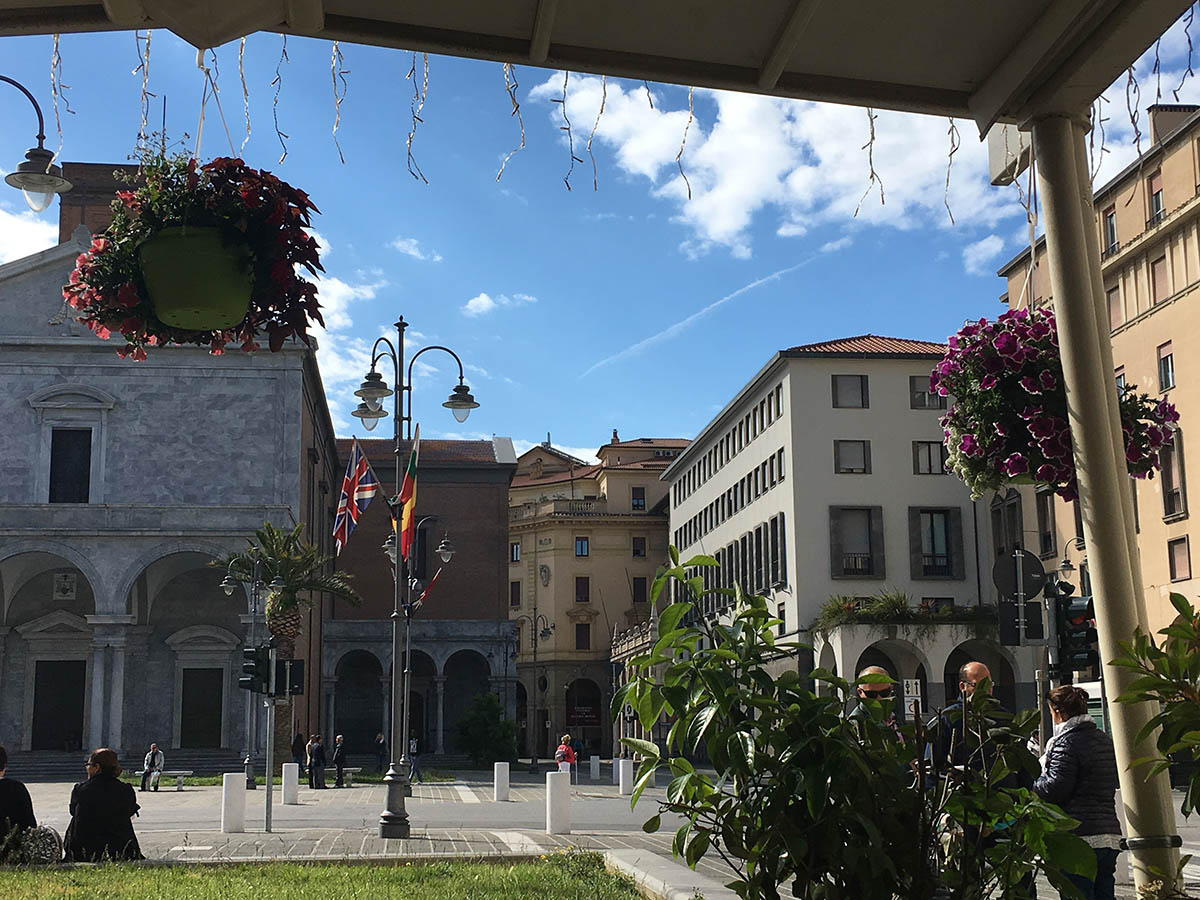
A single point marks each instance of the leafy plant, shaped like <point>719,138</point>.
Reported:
<point>1170,676</point>
<point>841,807</point>
<point>1009,416</point>
<point>892,607</point>
<point>303,569</point>
<point>483,732</point>
<point>251,207</point>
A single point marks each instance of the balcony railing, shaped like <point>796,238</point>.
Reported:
<point>1155,218</point>
<point>558,508</point>
<point>1110,250</point>
<point>856,564</point>
<point>935,564</point>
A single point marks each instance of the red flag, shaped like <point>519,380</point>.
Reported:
<point>408,499</point>
<point>428,589</point>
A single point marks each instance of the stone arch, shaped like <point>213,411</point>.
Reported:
<point>32,571</point>
<point>584,713</point>
<point>998,660</point>
<point>145,560</point>
<point>466,673</point>
<point>359,702</point>
<point>96,398</point>
<point>827,660</point>
<point>902,660</point>
<point>15,575</point>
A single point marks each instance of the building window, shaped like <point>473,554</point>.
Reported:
<point>514,551</point>
<point>1110,231</point>
<point>935,542</point>
<point>1047,540</point>
<point>639,547</point>
<point>639,589</point>
<point>70,465</point>
<point>1007,529</point>
<point>1155,190</point>
<point>921,397</point>
<point>1166,367</point>
<point>514,593</point>
<point>852,457</point>
<point>779,463</point>
<point>583,636</point>
<point>1120,379</point>
<point>1173,488</point>
<point>638,498</point>
<point>929,458</point>
<point>1158,280</point>
<point>1116,315</point>
<point>850,392</point>
<point>583,589</point>
<point>581,546</point>
<point>1181,559</point>
<point>856,542</point>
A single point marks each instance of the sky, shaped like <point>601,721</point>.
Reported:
<point>619,302</point>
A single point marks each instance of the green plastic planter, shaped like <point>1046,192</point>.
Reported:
<point>196,278</point>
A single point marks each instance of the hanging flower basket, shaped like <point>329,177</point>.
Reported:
<point>1008,422</point>
<point>202,255</point>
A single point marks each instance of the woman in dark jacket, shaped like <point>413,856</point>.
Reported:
<point>1079,773</point>
<point>102,811</point>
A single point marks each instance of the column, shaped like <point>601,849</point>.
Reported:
<point>440,681</point>
<point>385,688</point>
<point>96,725</point>
<point>116,697</point>
<point>1086,346</point>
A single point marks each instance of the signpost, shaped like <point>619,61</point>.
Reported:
<point>1020,578</point>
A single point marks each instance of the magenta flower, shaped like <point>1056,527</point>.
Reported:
<point>1016,464</point>
<point>988,382</point>
<point>1006,344</point>
<point>1047,473</point>
<point>1030,384</point>
<point>969,445</point>
<point>1047,380</point>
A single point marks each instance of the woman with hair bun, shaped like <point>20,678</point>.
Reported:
<point>102,811</point>
<point>1079,773</point>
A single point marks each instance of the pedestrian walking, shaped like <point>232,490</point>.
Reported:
<point>152,767</point>
<point>339,759</point>
<point>299,753</point>
<point>308,755</point>
<point>16,813</point>
<point>415,762</point>
<point>381,754</point>
<point>102,810</point>
<point>318,761</point>
<point>1079,773</point>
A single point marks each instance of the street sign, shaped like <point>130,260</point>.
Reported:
<point>912,699</point>
<point>1004,574</point>
<point>1012,615</point>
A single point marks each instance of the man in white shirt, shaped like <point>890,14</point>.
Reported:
<point>152,767</point>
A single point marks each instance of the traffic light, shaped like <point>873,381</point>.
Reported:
<point>256,669</point>
<point>1076,631</point>
<point>289,677</point>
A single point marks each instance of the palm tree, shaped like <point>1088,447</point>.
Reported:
<point>304,571</point>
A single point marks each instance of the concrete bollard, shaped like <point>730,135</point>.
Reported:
<point>595,764</point>
<point>616,770</point>
<point>500,782</point>
<point>291,784</point>
<point>233,803</point>
<point>558,803</point>
<point>564,767</point>
<point>626,777</point>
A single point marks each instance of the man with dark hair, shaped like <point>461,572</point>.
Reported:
<point>16,812</point>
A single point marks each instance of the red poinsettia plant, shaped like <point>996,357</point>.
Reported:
<point>1008,421</point>
<point>254,210</point>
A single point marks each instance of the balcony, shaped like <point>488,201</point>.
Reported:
<point>560,508</point>
<point>935,564</point>
<point>1155,217</point>
<point>857,565</point>
<point>1111,250</point>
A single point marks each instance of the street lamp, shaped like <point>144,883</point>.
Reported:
<point>540,629</point>
<point>38,178</point>
<point>229,584</point>
<point>393,821</point>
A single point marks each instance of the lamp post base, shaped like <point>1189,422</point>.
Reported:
<point>393,821</point>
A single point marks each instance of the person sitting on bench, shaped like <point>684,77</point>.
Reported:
<point>152,767</point>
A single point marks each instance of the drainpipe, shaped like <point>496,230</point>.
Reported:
<point>1086,347</point>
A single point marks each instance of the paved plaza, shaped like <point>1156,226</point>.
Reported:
<point>451,819</point>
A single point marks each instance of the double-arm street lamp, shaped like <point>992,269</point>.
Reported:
<point>229,584</point>
<point>540,629</point>
<point>393,821</point>
<point>38,178</point>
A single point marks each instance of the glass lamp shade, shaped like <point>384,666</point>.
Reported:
<point>370,416</point>
<point>389,548</point>
<point>461,402</point>
<point>445,550</point>
<point>277,584</point>
<point>228,585</point>
<point>38,179</point>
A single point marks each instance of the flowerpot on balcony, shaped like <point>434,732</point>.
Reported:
<point>197,278</point>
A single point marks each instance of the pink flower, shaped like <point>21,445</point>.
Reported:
<point>1047,473</point>
<point>1006,344</point>
<point>127,295</point>
<point>1047,380</point>
<point>1030,384</point>
<point>987,382</point>
<point>969,446</point>
<point>1016,464</point>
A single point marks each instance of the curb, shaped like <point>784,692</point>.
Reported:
<point>663,879</point>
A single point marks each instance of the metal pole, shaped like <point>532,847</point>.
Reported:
<point>1039,678</point>
<point>532,706</point>
<point>1019,561</point>
<point>1086,348</point>
<point>251,713</point>
<point>269,777</point>
<point>406,756</point>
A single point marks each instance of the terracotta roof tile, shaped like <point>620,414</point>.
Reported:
<point>436,452</point>
<point>869,345</point>
<point>526,480</point>
<point>651,442</point>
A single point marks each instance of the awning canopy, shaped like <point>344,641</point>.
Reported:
<point>990,62</point>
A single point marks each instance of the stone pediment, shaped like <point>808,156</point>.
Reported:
<point>203,637</point>
<point>57,624</point>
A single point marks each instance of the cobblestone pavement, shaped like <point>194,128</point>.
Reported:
<point>455,819</point>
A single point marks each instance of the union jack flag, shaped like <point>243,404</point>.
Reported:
<point>358,488</point>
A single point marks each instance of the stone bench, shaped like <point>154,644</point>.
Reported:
<point>178,775</point>
<point>348,774</point>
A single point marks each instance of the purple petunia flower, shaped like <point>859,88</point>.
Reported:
<point>1016,464</point>
<point>969,446</point>
<point>987,382</point>
<point>1043,427</point>
<point>1006,344</point>
<point>1047,380</point>
<point>1047,473</point>
<point>1030,384</point>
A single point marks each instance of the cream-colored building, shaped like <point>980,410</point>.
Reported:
<point>585,541</point>
<point>1148,228</point>
<point>824,477</point>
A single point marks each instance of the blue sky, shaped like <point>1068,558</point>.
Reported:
<point>576,311</point>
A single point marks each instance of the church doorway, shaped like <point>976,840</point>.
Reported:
<point>58,688</point>
<point>200,714</point>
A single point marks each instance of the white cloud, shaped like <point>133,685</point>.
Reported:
<point>800,161</point>
<point>978,258</point>
<point>23,233</point>
<point>840,244</point>
<point>484,303</point>
<point>412,247</point>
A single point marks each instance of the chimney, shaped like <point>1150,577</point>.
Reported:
<point>1166,117</point>
<point>93,187</point>
<point>615,439</point>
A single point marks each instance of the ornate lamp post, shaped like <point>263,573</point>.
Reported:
<point>393,821</point>
<point>38,178</point>
<point>540,628</point>
<point>229,584</point>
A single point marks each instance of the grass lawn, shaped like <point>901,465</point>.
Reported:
<point>560,876</point>
<point>168,784</point>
